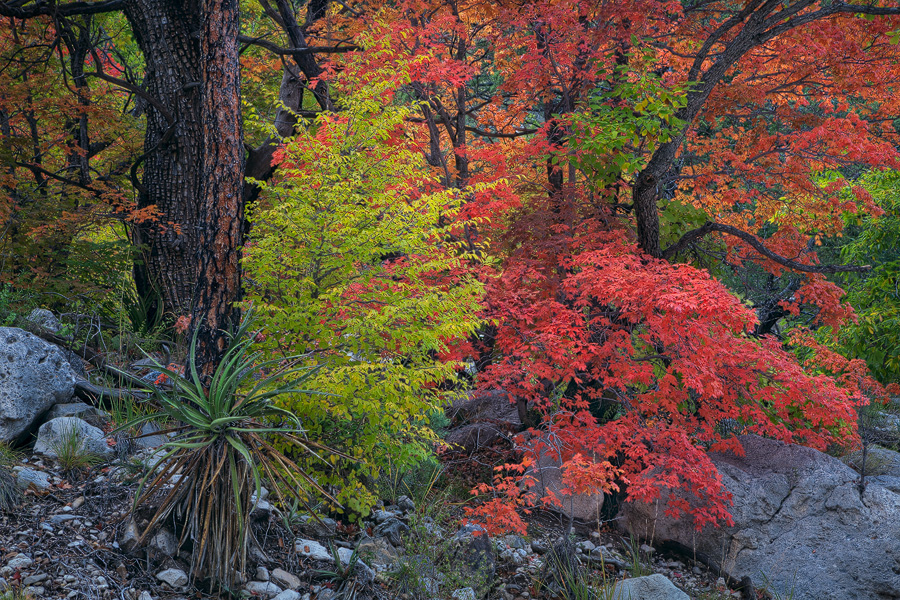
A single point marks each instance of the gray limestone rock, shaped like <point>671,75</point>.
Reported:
<point>34,376</point>
<point>651,587</point>
<point>53,434</point>
<point>801,524</point>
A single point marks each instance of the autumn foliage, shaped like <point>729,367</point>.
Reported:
<point>565,201</point>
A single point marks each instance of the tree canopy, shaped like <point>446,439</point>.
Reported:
<point>615,213</point>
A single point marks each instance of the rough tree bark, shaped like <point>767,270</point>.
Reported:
<point>221,218</point>
<point>171,182</point>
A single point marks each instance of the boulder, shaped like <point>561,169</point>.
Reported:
<point>802,525</point>
<point>34,375</point>
<point>548,476</point>
<point>44,319</point>
<point>378,552</point>
<point>651,587</point>
<point>482,419</point>
<point>392,529</point>
<point>53,433</point>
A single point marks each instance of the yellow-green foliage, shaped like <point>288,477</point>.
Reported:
<point>348,265</point>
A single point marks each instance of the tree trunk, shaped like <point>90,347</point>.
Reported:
<point>166,32</point>
<point>221,221</point>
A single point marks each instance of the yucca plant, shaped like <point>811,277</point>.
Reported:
<point>222,451</point>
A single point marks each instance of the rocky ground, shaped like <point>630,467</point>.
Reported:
<point>72,536</point>
<point>807,525</point>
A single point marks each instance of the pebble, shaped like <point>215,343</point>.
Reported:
<point>262,574</point>
<point>32,579</point>
<point>285,579</point>
<point>60,519</point>
<point>174,577</point>
<point>20,561</point>
<point>263,589</point>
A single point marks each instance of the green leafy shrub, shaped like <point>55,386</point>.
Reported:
<point>353,267</point>
<point>223,451</point>
<point>875,295</point>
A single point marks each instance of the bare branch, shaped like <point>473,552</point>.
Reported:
<point>696,234</point>
<point>261,42</point>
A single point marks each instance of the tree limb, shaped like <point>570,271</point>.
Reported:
<point>42,7</point>
<point>696,234</point>
<point>258,41</point>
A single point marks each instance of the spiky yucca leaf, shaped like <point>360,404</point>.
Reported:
<point>221,453</point>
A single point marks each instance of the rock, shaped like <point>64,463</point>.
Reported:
<point>548,476</point>
<point>651,587</point>
<point>263,589</point>
<point>129,540</point>
<point>165,543</point>
<point>176,578</point>
<point>29,478</point>
<point>44,319</point>
<point>880,462</point>
<point>406,504</point>
<point>289,595</point>
<point>34,375</point>
<point>79,410</point>
<point>60,519</point>
<point>149,438</point>
<point>466,593</point>
<point>799,519</point>
<point>53,433</point>
<point>145,595</point>
<point>262,574</point>
<point>314,550</point>
<point>393,529</point>
<point>383,554</point>
<point>380,516</point>
<point>284,579</point>
<point>515,542</point>
<point>33,579</point>
<point>481,420</point>
<point>472,548</point>
<point>540,547</point>
<point>19,561</point>
<point>321,527</point>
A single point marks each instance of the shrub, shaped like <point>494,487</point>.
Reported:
<point>223,452</point>
<point>352,264</point>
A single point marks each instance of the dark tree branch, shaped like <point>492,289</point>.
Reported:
<point>262,43</point>
<point>135,90</point>
<point>42,8</point>
<point>696,234</point>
